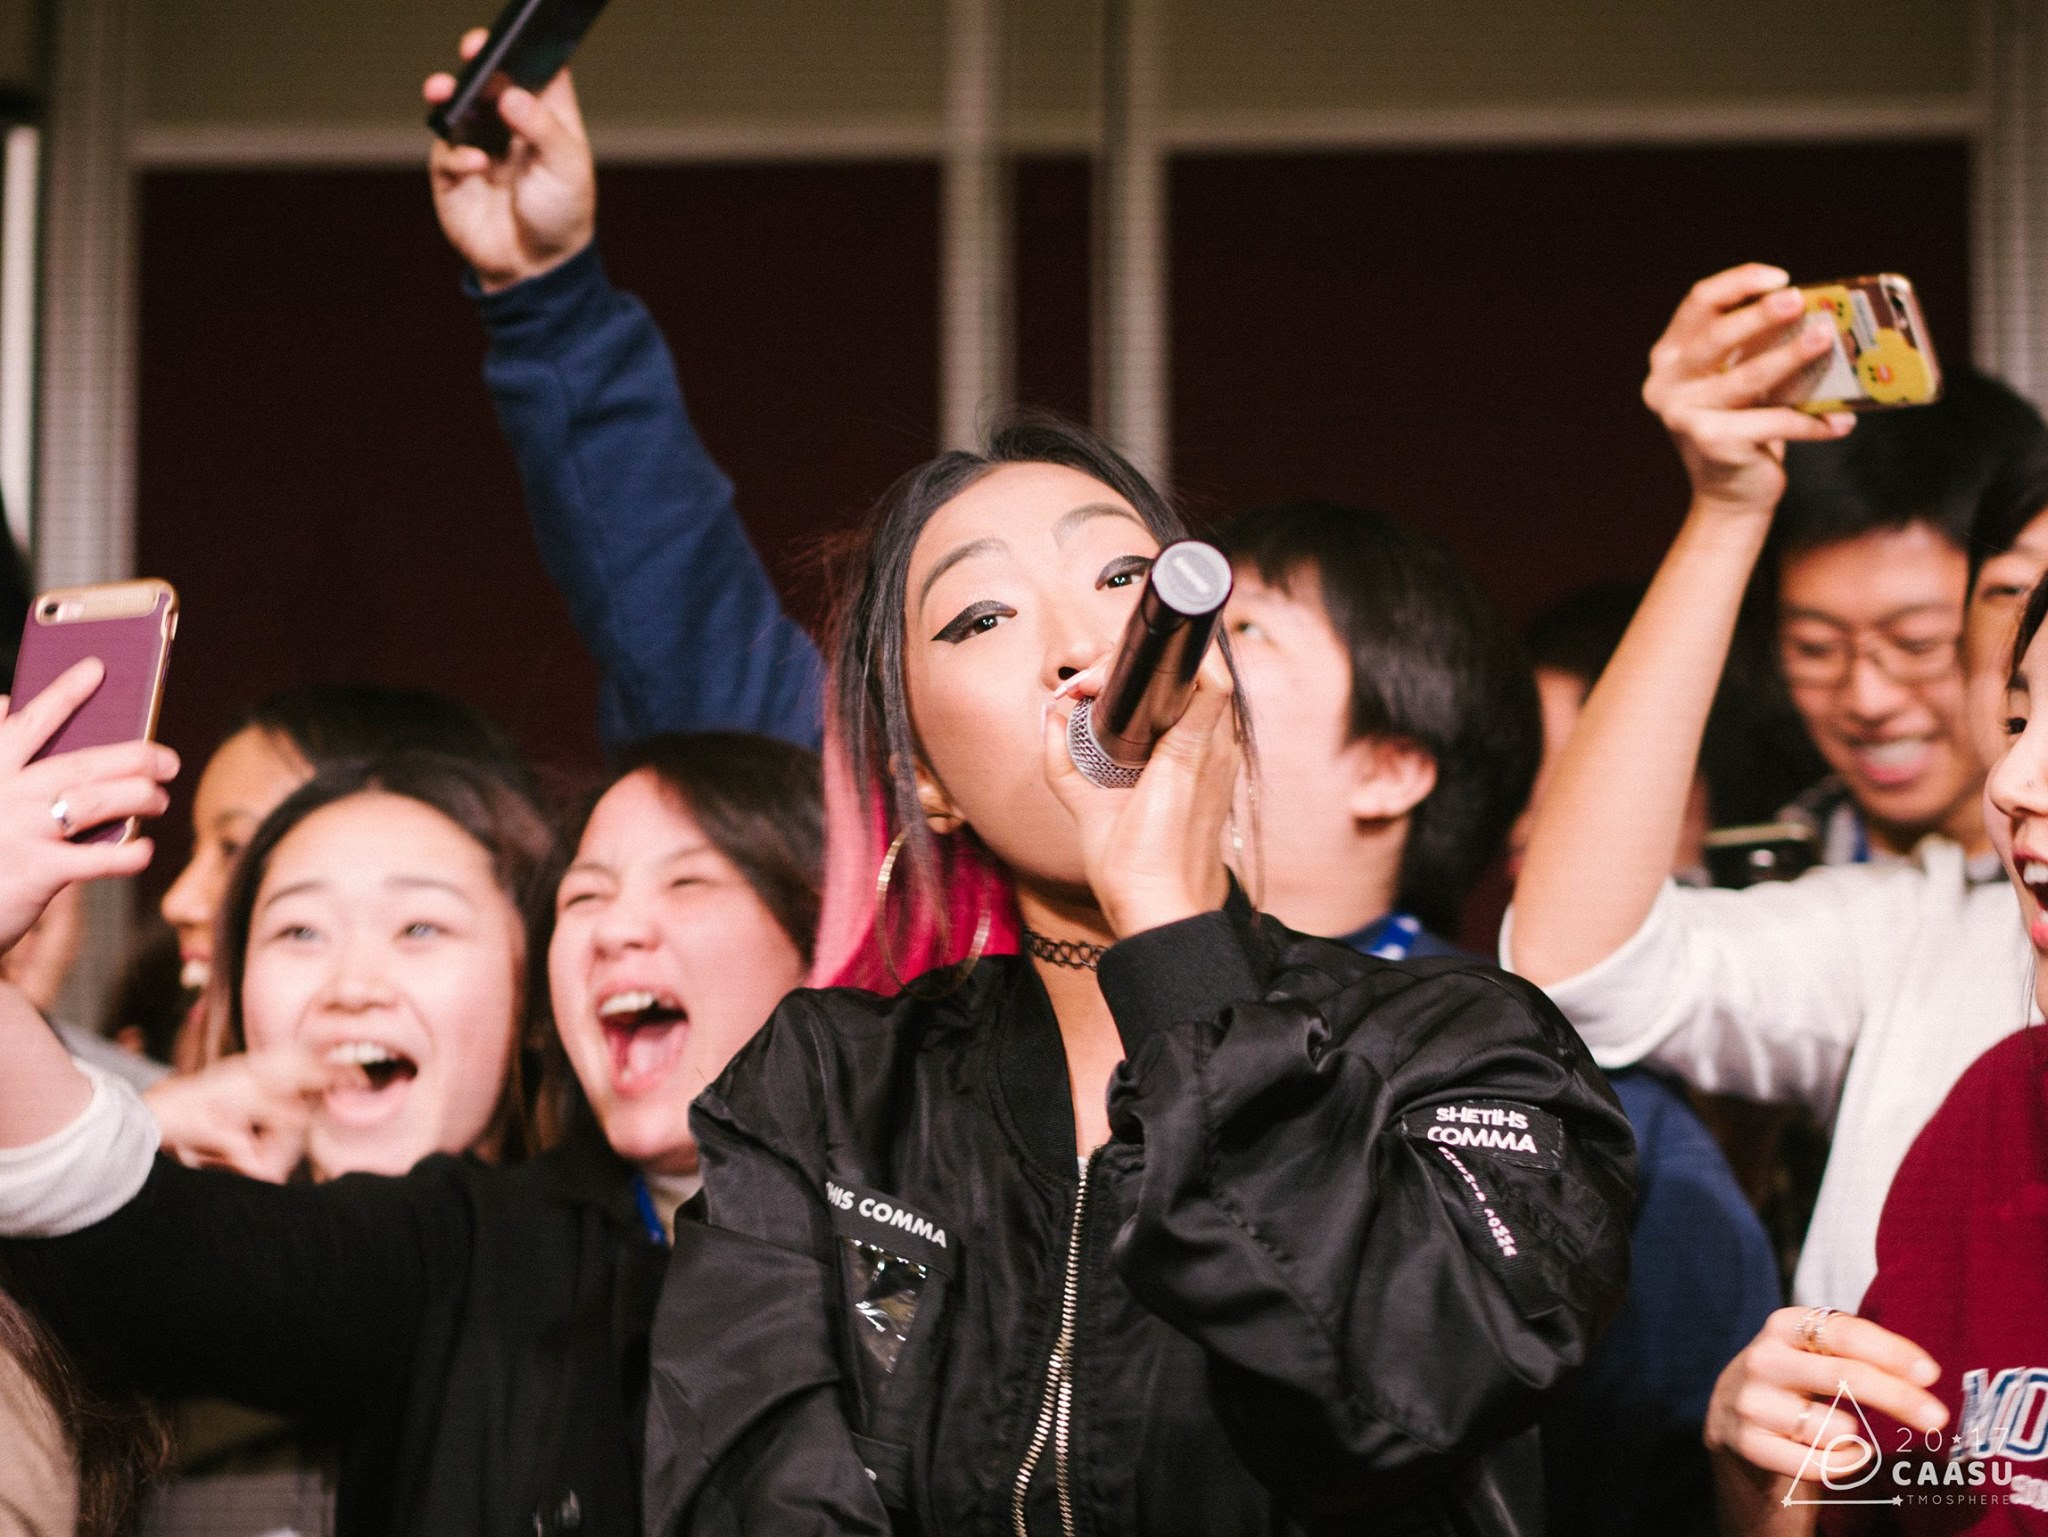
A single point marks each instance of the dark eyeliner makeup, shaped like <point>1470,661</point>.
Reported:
<point>963,624</point>
<point>1124,565</point>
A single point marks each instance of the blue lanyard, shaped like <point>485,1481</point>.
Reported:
<point>1391,938</point>
<point>650,1219</point>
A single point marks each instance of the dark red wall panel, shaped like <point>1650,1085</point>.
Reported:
<point>1460,338</point>
<point>320,473</point>
<point>802,305</point>
<point>1053,225</point>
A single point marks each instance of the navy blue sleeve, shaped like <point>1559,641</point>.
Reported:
<point>1621,1443</point>
<point>1703,1277</point>
<point>635,522</point>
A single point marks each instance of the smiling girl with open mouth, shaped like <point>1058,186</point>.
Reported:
<point>475,1333</point>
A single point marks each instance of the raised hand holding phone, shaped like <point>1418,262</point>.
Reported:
<point>1883,357</point>
<point>527,46</point>
<point>1731,350</point>
<point>44,801</point>
<point>516,215</point>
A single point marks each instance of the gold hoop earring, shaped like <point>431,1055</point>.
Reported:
<point>965,966</point>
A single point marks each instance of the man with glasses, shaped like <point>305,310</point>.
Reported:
<point>1882,692</point>
<point>1863,990</point>
<point>1867,552</point>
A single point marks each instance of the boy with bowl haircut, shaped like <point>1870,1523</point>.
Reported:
<point>1398,737</point>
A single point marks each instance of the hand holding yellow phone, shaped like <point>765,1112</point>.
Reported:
<point>1882,354</point>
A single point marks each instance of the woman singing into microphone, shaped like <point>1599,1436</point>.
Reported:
<point>1179,1222</point>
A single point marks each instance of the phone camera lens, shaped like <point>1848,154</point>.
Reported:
<point>49,610</point>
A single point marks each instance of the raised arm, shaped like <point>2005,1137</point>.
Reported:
<point>634,521</point>
<point>41,802</point>
<point>1601,845</point>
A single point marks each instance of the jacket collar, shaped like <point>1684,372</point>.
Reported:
<point>1031,1080</point>
<point>1032,1086</point>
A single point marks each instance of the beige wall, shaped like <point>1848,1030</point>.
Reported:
<point>1293,54</point>
<point>360,61</point>
<point>356,63</point>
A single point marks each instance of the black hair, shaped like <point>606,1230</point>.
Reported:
<point>16,593</point>
<point>492,809</point>
<point>118,1440</point>
<point>867,645</point>
<point>340,722</point>
<point>150,998</point>
<point>1930,464</point>
<point>761,802</point>
<point>1580,633</point>
<point>2030,623</point>
<point>1432,663</point>
<point>2015,497</point>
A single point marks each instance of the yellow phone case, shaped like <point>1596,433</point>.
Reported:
<point>1882,356</point>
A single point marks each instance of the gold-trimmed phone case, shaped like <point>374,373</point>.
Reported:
<point>1882,356</point>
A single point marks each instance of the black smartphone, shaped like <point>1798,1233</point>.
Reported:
<point>1749,856</point>
<point>530,41</point>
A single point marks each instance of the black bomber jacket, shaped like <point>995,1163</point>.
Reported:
<point>1355,1220</point>
<point>474,1338</point>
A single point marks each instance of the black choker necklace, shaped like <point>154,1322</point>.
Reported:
<point>1073,954</point>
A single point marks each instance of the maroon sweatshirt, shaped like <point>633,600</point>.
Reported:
<point>1962,1270</point>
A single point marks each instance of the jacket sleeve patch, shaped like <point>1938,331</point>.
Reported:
<point>1502,1129</point>
<point>883,1222</point>
<point>1492,1234</point>
<point>893,1259</point>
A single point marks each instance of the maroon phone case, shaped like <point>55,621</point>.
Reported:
<point>123,708</point>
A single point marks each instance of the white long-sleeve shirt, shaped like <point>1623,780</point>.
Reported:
<point>85,1171</point>
<point>1859,991</point>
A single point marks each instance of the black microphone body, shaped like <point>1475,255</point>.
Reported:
<point>1111,736</point>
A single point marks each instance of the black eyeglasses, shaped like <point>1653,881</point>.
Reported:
<point>1812,662</point>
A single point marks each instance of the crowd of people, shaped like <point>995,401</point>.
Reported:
<point>849,1118</point>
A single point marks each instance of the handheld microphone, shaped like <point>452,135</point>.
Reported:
<point>1111,736</point>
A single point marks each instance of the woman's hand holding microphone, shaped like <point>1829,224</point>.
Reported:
<point>1146,756</point>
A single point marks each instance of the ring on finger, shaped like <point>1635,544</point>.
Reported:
<point>1812,1331</point>
<point>60,813</point>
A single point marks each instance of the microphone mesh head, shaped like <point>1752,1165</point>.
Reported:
<point>1096,766</point>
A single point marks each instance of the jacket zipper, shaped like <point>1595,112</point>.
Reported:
<point>1056,1409</point>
